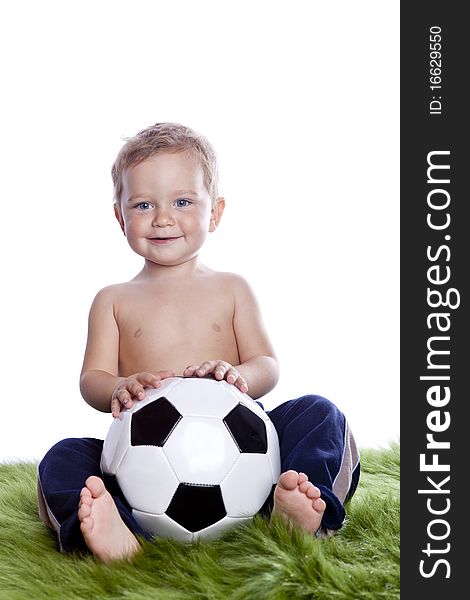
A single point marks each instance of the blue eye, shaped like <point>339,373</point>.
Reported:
<point>182,202</point>
<point>143,205</point>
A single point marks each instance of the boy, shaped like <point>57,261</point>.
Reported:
<point>178,317</point>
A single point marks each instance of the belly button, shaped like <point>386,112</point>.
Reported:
<point>138,333</point>
<point>216,327</point>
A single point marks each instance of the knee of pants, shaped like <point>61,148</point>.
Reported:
<point>66,444</point>
<point>322,406</point>
<point>63,447</point>
<point>60,448</point>
<point>72,450</point>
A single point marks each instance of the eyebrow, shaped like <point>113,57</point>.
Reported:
<point>182,192</point>
<point>149,196</point>
<point>138,197</point>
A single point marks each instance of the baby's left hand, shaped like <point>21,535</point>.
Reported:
<point>220,369</point>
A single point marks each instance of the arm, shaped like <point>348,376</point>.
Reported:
<point>258,362</point>
<point>257,372</point>
<point>100,383</point>
<point>99,374</point>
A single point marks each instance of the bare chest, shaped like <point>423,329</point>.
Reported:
<point>172,328</point>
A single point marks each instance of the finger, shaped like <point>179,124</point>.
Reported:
<point>122,394</point>
<point>136,390</point>
<point>206,367</point>
<point>220,370</point>
<point>232,375</point>
<point>148,379</point>
<point>124,398</point>
<point>165,374</point>
<point>242,385</point>
<point>189,371</point>
<point>115,408</point>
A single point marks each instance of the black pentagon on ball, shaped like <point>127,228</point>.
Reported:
<point>195,507</point>
<point>153,423</point>
<point>247,430</point>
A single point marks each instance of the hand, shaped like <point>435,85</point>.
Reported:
<point>131,389</point>
<point>220,369</point>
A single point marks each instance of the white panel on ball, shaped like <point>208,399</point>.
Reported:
<point>247,486</point>
<point>274,453</point>
<point>165,386</point>
<point>162,526</point>
<point>116,444</point>
<point>215,531</point>
<point>204,399</point>
<point>147,479</point>
<point>200,449</point>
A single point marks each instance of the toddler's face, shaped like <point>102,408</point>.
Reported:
<point>165,208</point>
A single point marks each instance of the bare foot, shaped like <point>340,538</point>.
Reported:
<point>298,501</point>
<point>105,533</point>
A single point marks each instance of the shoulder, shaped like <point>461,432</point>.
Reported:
<point>237,285</point>
<point>232,280</point>
<point>110,295</point>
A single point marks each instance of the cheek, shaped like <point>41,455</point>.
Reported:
<point>132,223</point>
<point>196,222</point>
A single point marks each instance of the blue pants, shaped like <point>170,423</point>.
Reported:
<point>314,438</point>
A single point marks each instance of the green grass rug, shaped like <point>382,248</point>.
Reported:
<point>258,561</point>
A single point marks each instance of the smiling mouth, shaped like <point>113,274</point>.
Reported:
<point>164,240</point>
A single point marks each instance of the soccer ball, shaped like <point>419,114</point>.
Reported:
<point>193,459</point>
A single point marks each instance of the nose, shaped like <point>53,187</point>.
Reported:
<point>163,217</point>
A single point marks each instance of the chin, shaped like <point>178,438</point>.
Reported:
<point>171,263</point>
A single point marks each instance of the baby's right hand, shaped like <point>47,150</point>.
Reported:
<point>131,389</point>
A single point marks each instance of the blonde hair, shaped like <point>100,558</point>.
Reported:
<point>161,138</point>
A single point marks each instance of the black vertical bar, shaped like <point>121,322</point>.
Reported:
<point>435,270</point>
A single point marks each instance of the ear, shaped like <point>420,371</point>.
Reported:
<point>118,215</point>
<point>216,213</point>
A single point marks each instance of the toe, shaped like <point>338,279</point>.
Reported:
<point>313,492</point>
<point>84,511</point>
<point>86,525</point>
<point>288,480</point>
<point>85,494</point>
<point>319,505</point>
<point>85,499</point>
<point>304,486</point>
<point>96,486</point>
<point>302,477</point>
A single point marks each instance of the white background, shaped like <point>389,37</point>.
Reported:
<point>300,100</point>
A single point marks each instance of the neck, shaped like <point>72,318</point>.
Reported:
<point>152,270</point>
